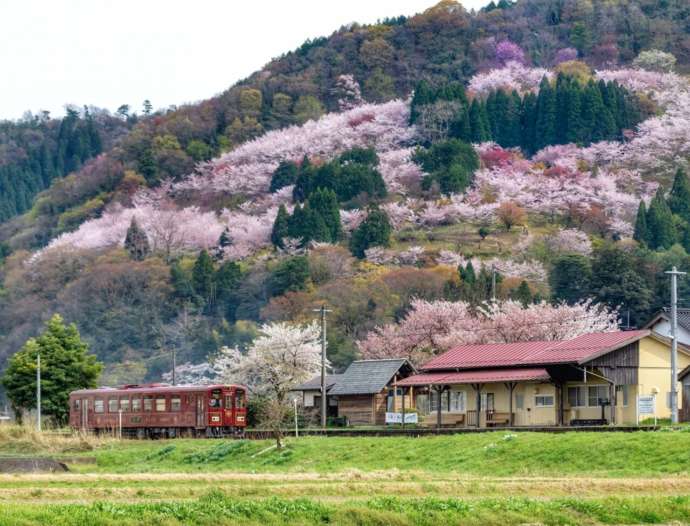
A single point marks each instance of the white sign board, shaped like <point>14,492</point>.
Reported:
<point>397,418</point>
<point>646,405</point>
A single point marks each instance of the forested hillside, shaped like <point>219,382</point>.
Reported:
<point>388,171</point>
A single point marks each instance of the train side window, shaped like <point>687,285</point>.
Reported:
<point>124,405</point>
<point>112,405</point>
<point>148,403</point>
<point>98,406</point>
<point>175,403</point>
<point>160,404</point>
<point>136,405</point>
<point>239,399</point>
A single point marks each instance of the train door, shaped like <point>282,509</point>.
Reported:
<point>84,422</point>
<point>240,408</point>
<point>200,411</point>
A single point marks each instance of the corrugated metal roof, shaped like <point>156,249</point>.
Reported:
<point>683,318</point>
<point>162,389</point>
<point>477,377</point>
<point>315,383</point>
<point>577,350</point>
<point>368,376</point>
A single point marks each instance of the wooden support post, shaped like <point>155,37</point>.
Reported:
<point>612,401</point>
<point>403,408</point>
<point>561,404</point>
<point>439,417</point>
<point>478,390</point>
<point>511,388</point>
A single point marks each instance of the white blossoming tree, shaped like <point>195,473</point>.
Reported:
<point>283,356</point>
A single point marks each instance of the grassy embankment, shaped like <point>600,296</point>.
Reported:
<point>492,478</point>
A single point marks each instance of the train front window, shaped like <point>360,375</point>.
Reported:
<point>239,399</point>
<point>228,401</point>
<point>76,404</point>
<point>215,399</point>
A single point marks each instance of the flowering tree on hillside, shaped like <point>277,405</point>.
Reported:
<point>431,328</point>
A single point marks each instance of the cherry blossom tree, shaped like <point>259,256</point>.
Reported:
<point>431,328</point>
<point>282,357</point>
<point>513,76</point>
<point>507,51</point>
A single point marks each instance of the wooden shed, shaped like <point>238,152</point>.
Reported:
<point>367,389</point>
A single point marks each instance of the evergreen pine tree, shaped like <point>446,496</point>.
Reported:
<point>285,175</point>
<point>281,226</point>
<point>478,130</point>
<point>528,123</point>
<point>136,241</point>
<point>523,294</point>
<point>227,278</point>
<point>315,228</point>
<point>679,198</point>
<point>574,132</point>
<point>545,126</point>
<point>660,223</point>
<point>375,230</point>
<point>224,241</point>
<point>570,278</point>
<point>641,234</point>
<point>202,277</point>
<point>325,203</point>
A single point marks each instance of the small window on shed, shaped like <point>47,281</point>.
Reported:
<point>160,404</point>
<point>175,403</point>
<point>148,403</point>
<point>543,401</point>
<point>112,405</point>
<point>98,405</point>
<point>136,405</point>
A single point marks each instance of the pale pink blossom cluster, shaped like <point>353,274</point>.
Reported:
<point>642,81</point>
<point>349,92</point>
<point>431,328</point>
<point>568,240</point>
<point>248,168</point>
<point>514,76</point>
<point>400,213</point>
<point>351,219</point>
<point>398,170</point>
<point>527,270</point>
<point>171,230</point>
<point>384,256</point>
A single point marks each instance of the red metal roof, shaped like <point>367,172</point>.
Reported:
<point>477,377</point>
<point>577,350</point>
<point>160,388</point>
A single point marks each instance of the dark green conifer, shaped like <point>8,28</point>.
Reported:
<point>641,234</point>
<point>281,226</point>
<point>660,223</point>
<point>679,198</point>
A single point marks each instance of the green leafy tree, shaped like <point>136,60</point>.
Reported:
<point>290,275</point>
<point>375,230</point>
<point>181,281</point>
<point>641,233</point>
<point>661,232</point>
<point>202,277</point>
<point>523,294</point>
<point>570,278</point>
<point>451,163</point>
<point>281,226</point>
<point>285,175</point>
<point>136,241</point>
<point>66,365</point>
<point>679,198</point>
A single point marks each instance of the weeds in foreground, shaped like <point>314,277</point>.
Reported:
<point>25,439</point>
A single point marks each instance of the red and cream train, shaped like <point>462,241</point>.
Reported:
<point>160,410</point>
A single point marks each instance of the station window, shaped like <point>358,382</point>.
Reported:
<point>124,405</point>
<point>148,403</point>
<point>175,403</point>
<point>543,401</point>
<point>136,405</point>
<point>597,393</point>
<point>98,406</point>
<point>112,405</point>
<point>160,404</point>
<point>576,396</point>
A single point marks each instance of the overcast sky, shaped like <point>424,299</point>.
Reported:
<point>111,52</point>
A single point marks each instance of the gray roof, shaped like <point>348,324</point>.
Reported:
<point>315,383</point>
<point>683,318</point>
<point>369,376</point>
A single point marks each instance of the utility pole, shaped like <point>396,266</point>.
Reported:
<point>493,283</point>
<point>323,312</point>
<point>38,392</point>
<point>173,365</point>
<point>674,273</point>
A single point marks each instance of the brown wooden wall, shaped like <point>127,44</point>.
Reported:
<point>685,409</point>
<point>363,409</point>
<point>620,366</point>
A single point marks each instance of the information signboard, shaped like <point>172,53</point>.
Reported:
<point>397,418</point>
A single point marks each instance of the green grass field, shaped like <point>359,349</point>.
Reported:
<point>488,478</point>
